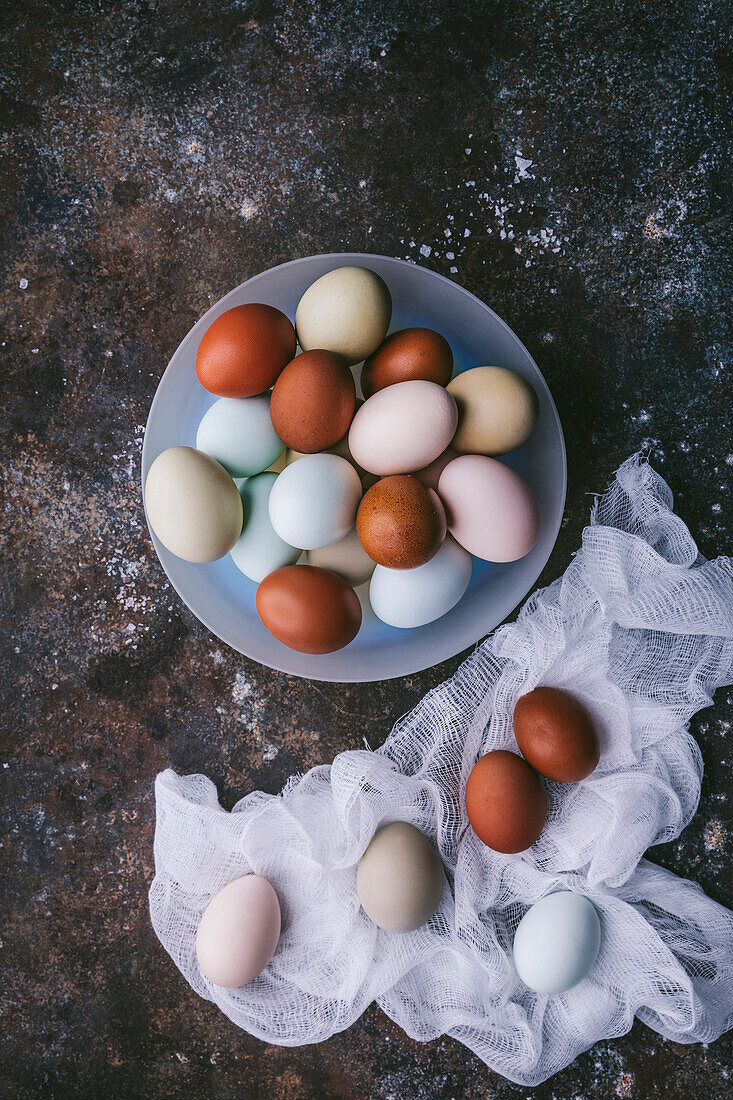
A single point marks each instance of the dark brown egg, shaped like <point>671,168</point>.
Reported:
<point>309,609</point>
<point>313,401</point>
<point>505,802</point>
<point>400,522</point>
<point>556,735</point>
<point>405,355</point>
<point>243,350</point>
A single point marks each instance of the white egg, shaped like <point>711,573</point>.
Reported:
<point>314,500</point>
<point>238,433</point>
<point>259,550</point>
<point>347,311</point>
<point>347,557</point>
<point>557,942</point>
<point>414,597</point>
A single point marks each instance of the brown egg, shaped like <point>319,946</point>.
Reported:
<point>505,802</point>
<point>400,522</point>
<point>313,401</point>
<point>243,350</point>
<point>309,609</point>
<point>405,355</point>
<point>556,735</point>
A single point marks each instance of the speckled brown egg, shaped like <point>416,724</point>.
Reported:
<point>309,609</point>
<point>313,401</point>
<point>400,522</point>
<point>556,734</point>
<point>505,802</point>
<point>405,355</point>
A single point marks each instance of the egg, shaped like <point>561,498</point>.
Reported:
<point>313,401</point>
<point>238,932</point>
<point>491,510</point>
<point>400,522</point>
<point>309,609</point>
<point>399,879</point>
<point>347,311</point>
<point>557,942</point>
<point>243,351</point>
<point>497,410</point>
<point>313,502</point>
<point>407,354</point>
<point>259,549</point>
<point>347,557</point>
<point>414,597</point>
<point>403,428</point>
<point>238,433</point>
<point>431,474</point>
<point>505,802</point>
<point>556,734</point>
<point>192,505</point>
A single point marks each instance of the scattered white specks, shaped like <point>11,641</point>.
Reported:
<point>248,210</point>
<point>270,753</point>
<point>454,271</point>
<point>717,509</point>
<point>23,284</point>
<point>425,250</point>
<point>523,166</point>
<point>170,194</point>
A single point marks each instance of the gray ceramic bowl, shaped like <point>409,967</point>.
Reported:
<point>224,600</point>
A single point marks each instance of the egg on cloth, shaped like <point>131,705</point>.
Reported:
<point>557,942</point>
<point>505,802</point>
<point>400,522</point>
<point>192,505</point>
<point>238,433</point>
<point>313,401</point>
<point>259,549</point>
<point>491,510</point>
<point>400,878</point>
<point>497,410</point>
<point>347,557</point>
<point>408,598</point>
<point>239,932</point>
<point>403,428</point>
<point>408,354</point>
<point>314,500</point>
<point>309,609</point>
<point>347,311</point>
<point>243,351</point>
<point>556,734</point>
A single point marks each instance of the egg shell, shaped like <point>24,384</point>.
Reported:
<point>400,522</point>
<point>556,734</point>
<point>491,510</point>
<point>238,433</point>
<point>347,557</point>
<point>505,802</point>
<point>243,351</point>
<point>314,500</point>
<point>497,410</point>
<point>340,448</point>
<point>403,428</point>
<point>259,549</point>
<point>557,942</point>
<point>313,401</point>
<point>347,310</point>
<point>400,878</point>
<point>238,932</point>
<point>408,598</point>
<point>407,354</point>
<point>192,504</point>
<point>309,609</point>
<point>431,474</point>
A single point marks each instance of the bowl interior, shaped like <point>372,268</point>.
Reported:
<point>223,598</point>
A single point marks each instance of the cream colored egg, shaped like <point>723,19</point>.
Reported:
<point>497,410</point>
<point>192,504</point>
<point>400,878</point>
<point>239,932</point>
<point>347,310</point>
<point>347,557</point>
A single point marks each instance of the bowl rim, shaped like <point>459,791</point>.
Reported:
<point>433,657</point>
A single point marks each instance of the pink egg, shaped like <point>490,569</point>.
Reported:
<point>403,428</point>
<point>491,510</point>
<point>239,932</point>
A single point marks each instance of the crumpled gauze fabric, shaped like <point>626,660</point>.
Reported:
<point>640,627</point>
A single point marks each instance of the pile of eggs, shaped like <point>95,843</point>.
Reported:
<point>400,879</point>
<point>396,491</point>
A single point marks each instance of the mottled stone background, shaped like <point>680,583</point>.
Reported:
<point>563,160</point>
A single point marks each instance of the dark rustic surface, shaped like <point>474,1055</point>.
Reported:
<point>154,156</point>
